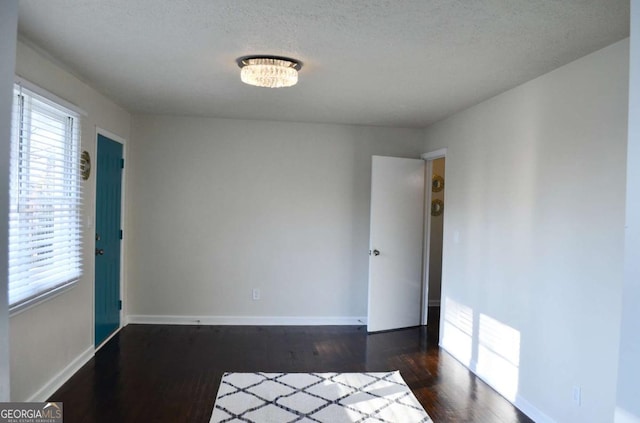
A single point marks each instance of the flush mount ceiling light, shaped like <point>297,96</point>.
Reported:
<point>269,71</point>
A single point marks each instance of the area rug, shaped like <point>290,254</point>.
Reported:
<point>316,397</point>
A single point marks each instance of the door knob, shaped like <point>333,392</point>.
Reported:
<point>376,252</point>
<point>99,251</point>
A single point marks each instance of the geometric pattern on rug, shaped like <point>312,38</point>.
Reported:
<point>316,397</point>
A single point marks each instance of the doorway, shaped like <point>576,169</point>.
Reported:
<point>108,237</point>
<point>434,228</point>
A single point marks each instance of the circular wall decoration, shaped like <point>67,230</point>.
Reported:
<point>85,165</point>
<point>437,183</point>
<point>437,207</point>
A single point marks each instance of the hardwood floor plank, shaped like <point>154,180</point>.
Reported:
<point>172,373</point>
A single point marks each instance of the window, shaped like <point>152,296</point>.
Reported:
<point>45,197</point>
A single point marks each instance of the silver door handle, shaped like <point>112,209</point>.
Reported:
<point>99,252</point>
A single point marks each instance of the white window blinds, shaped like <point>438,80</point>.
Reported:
<point>45,198</point>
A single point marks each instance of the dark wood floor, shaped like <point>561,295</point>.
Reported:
<point>172,373</point>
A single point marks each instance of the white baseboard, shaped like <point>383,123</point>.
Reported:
<point>520,402</point>
<point>246,320</point>
<point>65,374</point>
<point>531,411</point>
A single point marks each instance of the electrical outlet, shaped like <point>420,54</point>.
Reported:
<point>577,395</point>
<point>256,294</point>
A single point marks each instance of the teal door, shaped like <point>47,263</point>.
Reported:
<point>109,166</point>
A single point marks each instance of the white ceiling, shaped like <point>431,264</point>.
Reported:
<point>374,62</point>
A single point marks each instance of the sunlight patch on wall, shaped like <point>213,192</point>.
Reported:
<point>623,416</point>
<point>499,356</point>
<point>458,330</point>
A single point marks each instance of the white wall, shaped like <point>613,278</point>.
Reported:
<point>533,238</point>
<point>225,206</point>
<point>57,335</point>
<point>628,406</point>
<point>8,31</point>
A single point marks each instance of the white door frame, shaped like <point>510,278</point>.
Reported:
<point>123,141</point>
<point>429,158</point>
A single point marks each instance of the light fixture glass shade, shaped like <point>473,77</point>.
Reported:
<point>269,72</point>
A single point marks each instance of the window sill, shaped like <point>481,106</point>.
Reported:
<point>40,299</point>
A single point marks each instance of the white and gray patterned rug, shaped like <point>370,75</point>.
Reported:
<point>316,397</point>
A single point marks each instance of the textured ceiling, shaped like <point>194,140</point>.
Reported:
<point>374,62</point>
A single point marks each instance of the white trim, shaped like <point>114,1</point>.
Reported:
<point>123,217</point>
<point>41,299</point>
<point>531,411</point>
<point>247,320</point>
<point>49,95</point>
<point>426,240</point>
<point>110,135</point>
<point>429,158</point>
<point>62,377</point>
<point>520,402</point>
<point>432,155</point>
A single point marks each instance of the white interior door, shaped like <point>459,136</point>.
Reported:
<point>396,242</point>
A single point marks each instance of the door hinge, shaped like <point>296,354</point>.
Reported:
<point>119,304</point>
<point>122,163</point>
<point>121,234</point>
